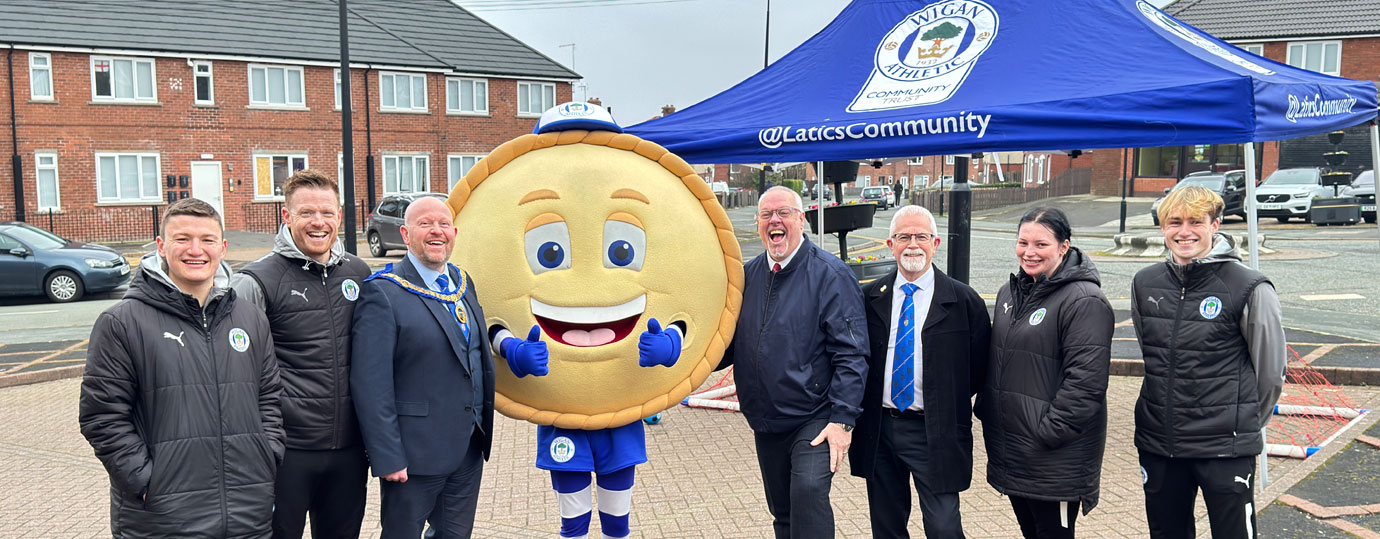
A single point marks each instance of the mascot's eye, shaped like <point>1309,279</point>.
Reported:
<point>625,245</point>
<point>548,247</point>
<point>550,254</point>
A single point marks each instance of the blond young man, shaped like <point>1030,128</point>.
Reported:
<point>1210,332</point>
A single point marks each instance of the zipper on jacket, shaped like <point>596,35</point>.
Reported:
<point>335,362</point>
<point>762,330</point>
<point>1173,370</point>
<point>220,421</point>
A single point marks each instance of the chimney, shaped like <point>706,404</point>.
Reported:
<point>595,101</point>
<point>666,110</point>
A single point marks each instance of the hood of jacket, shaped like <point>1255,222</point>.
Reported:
<point>283,244</point>
<point>1223,250</point>
<point>154,287</point>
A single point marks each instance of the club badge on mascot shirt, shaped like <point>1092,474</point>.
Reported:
<point>590,234</point>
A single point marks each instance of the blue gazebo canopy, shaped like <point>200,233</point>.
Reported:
<point>892,78</point>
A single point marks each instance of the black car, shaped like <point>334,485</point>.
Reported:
<point>1363,187</point>
<point>1231,185</point>
<point>34,261</point>
<point>382,230</point>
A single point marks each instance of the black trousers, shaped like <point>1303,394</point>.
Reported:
<point>902,455</point>
<point>797,480</point>
<point>1171,486</point>
<point>328,484</point>
<point>1043,519</point>
<point>448,501</point>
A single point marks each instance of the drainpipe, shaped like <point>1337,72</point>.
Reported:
<point>368,143</point>
<point>16,164</point>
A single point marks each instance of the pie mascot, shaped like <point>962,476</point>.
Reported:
<point>612,282</point>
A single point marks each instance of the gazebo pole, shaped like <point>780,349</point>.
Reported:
<point>1252,227</point>
<point>819,195</point>
<point>1375,154</point>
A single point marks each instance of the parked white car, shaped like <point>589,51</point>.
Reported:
<point>1289,193</point>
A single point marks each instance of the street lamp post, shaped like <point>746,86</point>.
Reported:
<point>347,150</point>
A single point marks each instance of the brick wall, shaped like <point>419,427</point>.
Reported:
<point>75,128</point>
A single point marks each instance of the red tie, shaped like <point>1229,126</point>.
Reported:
<point>775,268</point>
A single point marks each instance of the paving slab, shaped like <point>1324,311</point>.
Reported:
<point>1281,520</point>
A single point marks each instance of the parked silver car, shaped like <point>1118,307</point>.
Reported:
<point>878,195</point>
<point>1289,192</point>
<point>1363,187</point>
<point>384,222</point>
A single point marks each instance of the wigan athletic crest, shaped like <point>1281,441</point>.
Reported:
<point>562,449</point>
<point>927,56</point>
<point>1210,307</point>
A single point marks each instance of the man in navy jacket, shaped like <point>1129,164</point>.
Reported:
<point>423,381</point>
<point>801,355</point>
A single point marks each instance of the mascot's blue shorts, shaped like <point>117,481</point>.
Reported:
<point>599,451</point>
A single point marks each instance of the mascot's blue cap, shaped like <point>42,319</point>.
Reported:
<point>567,116</point>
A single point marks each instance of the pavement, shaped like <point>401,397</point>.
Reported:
<point>702,479</point>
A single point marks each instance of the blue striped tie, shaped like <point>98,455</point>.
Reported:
<point>454,308</point>
<point>903,359</point>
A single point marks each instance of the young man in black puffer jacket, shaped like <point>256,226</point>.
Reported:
<point>1210,332</point>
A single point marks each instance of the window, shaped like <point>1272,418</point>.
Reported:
<point>459,166</point>
<point>922,180</point>
<point>402,91</point>
<point>916,161</point>
<point>1158,162</point>
<point>337,88</point>
<point>948,159</point>
<point>535,97</point>
<point>272,86</point>
<point>127,177</point>
<point>122,79</point>
<point>1322,56</point>
<point>45,168</point>
<point>40,76</point>
<point>467,96</point>
<point>204,92</point>
<point>271,171</point>
<point>405,174</point>
<point>1257,49</point>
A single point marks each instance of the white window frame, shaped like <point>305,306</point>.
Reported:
<point>253,166</point>
<point>337,88</point>
<point>210,82</point>
<point>47,70</point>
<point>459,108</point>
<point>918,160</point>
<point>39,168</point>
<point>267,101</point>
<point>157,197</point>
<point>1257,49</point>
<point>524,88</point>
<point>452,177</point>
<point>1302,50</point>
<point>152,97</point>
<point>419,185</point>
<point>413,79</point>
<point>922,180</point>
<point>948,159</point>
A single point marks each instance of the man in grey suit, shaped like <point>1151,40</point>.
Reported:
<point>423,381</point>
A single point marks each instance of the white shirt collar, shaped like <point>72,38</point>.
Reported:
<point>925,282</point>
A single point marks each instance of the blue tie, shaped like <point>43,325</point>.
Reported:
<point>456,309</point>
<point>903,359</point>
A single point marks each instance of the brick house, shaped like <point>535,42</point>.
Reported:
<point>114,110</point>
<point>1340,38</point>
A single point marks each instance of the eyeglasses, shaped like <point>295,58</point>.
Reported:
<point>783,213</point>
<point>921,237</point>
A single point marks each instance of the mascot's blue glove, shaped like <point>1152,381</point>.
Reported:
<point>526,357</point>
<point>658,347</point>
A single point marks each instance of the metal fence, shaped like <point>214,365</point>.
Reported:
<point>1076,181</point>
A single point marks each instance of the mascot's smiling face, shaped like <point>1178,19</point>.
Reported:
<point>589,240</point>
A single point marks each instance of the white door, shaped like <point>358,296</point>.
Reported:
<point>206,185</point>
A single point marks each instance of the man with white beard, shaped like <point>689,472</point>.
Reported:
<point>917,416</point>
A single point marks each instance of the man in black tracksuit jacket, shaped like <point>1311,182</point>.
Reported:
<point>180,395</point>
<point>1210,332</point>
<point>307,287</point>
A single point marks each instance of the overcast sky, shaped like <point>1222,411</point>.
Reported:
<point>637,55</point>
